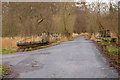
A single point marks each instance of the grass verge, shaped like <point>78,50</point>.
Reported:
<point>4,70</point>
<point>13,50</point>
<point>104,44</point>
<point>112,49</point>
<point>112,53</point>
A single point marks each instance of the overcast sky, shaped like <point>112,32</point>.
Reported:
<point>55,0</point>
<point>107,1</point>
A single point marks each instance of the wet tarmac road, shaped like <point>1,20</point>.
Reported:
<point>72,59</point>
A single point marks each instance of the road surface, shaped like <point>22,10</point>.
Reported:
<point>72,59</point>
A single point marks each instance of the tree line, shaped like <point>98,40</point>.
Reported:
<point>31,19</point>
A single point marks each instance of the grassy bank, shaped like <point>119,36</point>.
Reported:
<point>112,52</point>
<point>13,50</point>
<point>16,49</point>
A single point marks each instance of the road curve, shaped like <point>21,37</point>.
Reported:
<point>72,59</point>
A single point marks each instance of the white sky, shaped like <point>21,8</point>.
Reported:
<point>107,1</point>
<point>55,0</point>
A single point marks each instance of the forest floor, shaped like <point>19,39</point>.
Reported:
<point>79,58</point>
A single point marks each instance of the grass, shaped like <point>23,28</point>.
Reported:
<point>29,49</point>
<point>58,41</point>
<point>112,49</point>
<point>4,70</point>
<point>7,51</point>
<point>20,50</point>
<point>109,38</point>
<point>109,48</point>
<point>104,44</point>
<point>13,50</point>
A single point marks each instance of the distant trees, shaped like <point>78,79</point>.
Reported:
<point>112,18</point>
<point>81,19</point>
<point>102,16</point>
<point>32,19</point>
<point>66,18</point>
<point>0,19</point>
